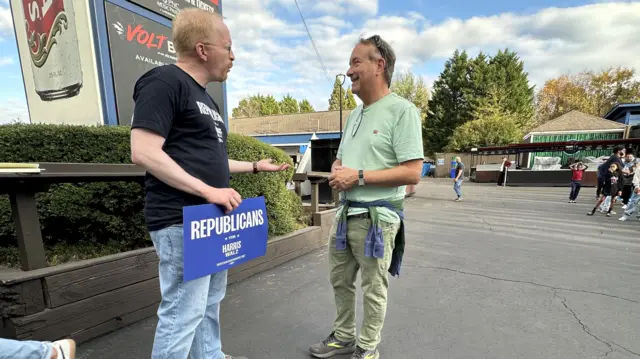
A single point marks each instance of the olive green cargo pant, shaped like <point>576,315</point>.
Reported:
<point>343,268</point>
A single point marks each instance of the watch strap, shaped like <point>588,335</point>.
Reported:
<point>255,167</point>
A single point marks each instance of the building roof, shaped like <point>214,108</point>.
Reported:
<point>619,108</point>
<point>323,121</point>
<point>576,121</point>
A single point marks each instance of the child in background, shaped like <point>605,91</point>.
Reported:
<point>609,189</point>
<point>577,170</point>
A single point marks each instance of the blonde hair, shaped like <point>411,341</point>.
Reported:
<point>192,25</point>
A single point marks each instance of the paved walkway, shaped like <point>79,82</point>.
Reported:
<point>508,273</point>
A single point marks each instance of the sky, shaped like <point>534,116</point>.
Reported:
<point>274,54</point>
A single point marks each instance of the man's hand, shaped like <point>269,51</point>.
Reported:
<point>637,190</point>
<point>225,197</point>
<point>268,166</point>
<point>343,178</point>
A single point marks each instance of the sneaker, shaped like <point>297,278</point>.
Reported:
<point>624,207</point>
<point>609,214</point>
<point>623,218</point>
<point>365,354</point>
<point>459,199</point>
<point>332,346</point>
<point>65,348</point>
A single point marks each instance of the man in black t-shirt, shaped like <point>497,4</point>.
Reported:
<point>458,178</point>
<point>180,139</point>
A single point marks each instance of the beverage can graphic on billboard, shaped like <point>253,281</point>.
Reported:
<point>169,8</point>
<point>53,47</point>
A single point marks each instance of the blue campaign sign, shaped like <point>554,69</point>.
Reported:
<point>214,241</point>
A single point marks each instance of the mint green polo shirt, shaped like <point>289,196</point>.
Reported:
<point>380,136</point>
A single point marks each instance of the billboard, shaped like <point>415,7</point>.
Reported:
<point>169,8</point>
<point>58,61</point>
<point>138,44</point>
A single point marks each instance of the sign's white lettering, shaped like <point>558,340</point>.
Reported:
<point>227,224</point>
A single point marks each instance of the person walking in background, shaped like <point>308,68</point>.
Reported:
<point>635,197</point>
<point>603,169</point>
<point>458,178</point>
<point>628,165</point>
<point>504,168</point>
<point>180,139</point>
<point>31,349</point>
<point>577,171</point>
<point>380,153</point>
<point>609,189</point>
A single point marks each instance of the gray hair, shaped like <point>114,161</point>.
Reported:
<point>384,51</point>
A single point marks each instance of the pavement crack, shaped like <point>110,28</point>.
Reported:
<point>586,329</point>
<point>485,222</point>
<point>522,282</point>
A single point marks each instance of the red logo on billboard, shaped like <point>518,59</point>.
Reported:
<point>143,37</point>
<point>44,20</point>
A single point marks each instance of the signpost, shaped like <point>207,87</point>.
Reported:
<point>214,242</point>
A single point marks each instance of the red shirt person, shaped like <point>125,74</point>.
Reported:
<point>577,170</point>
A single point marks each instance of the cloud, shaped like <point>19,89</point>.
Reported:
<point>551,41</point>
<point>6,20</point>
<point>6,60</point>
<point>13,110</point>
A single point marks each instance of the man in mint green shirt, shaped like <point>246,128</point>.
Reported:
<point>380,154</point>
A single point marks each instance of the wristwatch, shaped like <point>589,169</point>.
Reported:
<point>360,178</point>
<point>255,167</point>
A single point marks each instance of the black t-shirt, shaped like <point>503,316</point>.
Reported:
<point>171,103</point>
<point>459,168</point>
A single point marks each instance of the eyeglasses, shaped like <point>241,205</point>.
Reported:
<point>228,48</point>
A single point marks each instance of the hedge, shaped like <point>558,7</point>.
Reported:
<point>81,221</point>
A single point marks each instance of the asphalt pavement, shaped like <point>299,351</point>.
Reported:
<point>507,273</point>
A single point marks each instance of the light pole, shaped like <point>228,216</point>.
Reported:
<point>341,83</point>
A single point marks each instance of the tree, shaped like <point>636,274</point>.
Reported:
<point>261,105</point>
<point>561,95</point>
<point>334,100</point>
<point>247,107</point>
<point>269,106</point>
<point>507,74</point>
<point>449,107</point>
<point>289,105</point>
<point>306,107</point>
<point>492,125</point>
<point>467,84</point>
<point>349,102</point>
<point>590,92</point>
<point>414,89</point>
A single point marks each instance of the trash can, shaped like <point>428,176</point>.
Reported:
<point>426,167</point>
<point>452,173</point>
<point>323,154</point>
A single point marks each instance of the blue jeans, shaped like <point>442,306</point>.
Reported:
<point>188,316</point>
<point>24,349</point>
<point>633,203</point>
<point>575,189</point>
<point>456,187</point>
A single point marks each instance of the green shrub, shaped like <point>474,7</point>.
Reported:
<point>96,219</point>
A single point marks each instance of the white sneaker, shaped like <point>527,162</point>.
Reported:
<point>66,348</point>
<point>622,219</point>
<point>624,207</point>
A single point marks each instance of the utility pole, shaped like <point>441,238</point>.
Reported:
<point>341,83</point>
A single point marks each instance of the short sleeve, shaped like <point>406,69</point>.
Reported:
<point>407,136</point>
<point>156,104</point>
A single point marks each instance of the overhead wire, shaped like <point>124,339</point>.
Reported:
<point>313,44</point>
